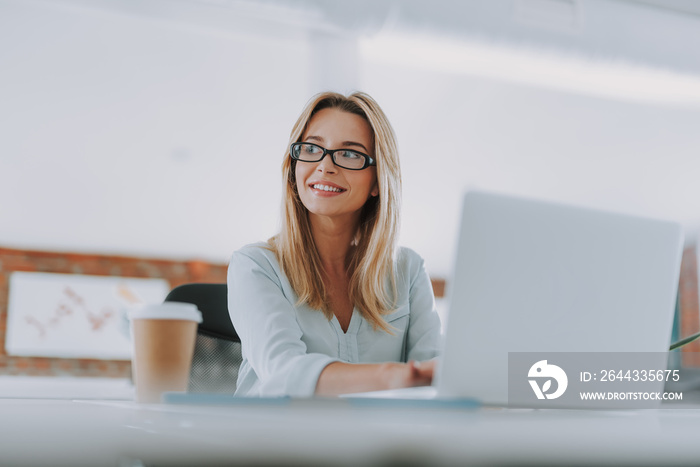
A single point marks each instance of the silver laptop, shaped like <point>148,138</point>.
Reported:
<point>534,280</point>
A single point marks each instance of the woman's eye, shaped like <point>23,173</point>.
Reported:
<point>349,155</point>
<point>310,149</point>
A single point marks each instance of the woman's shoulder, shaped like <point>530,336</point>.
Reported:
<point>407,258</point>
<point>256,249</point>
<point>409,264</point>
<point>259,252</point>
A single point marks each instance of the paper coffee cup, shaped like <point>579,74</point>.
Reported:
<point>163,337</point>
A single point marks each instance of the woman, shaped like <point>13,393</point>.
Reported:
<point>330,305</point>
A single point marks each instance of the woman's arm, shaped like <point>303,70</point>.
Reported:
<point>344,378</point>
<point>271,338</point>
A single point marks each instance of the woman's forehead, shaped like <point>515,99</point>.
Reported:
<point>337,126</point>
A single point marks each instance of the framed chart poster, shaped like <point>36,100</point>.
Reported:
<point>75,316</point>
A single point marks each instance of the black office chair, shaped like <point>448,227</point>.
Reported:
<point>217,351</point>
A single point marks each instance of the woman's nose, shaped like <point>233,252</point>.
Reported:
<point>326,164</point>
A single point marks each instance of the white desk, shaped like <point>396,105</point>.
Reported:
<point>63,432</point>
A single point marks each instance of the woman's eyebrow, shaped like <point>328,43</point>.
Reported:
<point>344,144</point>
<point>314,138</point>
<point>353,143</point>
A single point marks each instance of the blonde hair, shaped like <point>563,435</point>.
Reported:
<point>373,260</point>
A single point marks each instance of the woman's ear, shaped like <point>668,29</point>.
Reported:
<point>375,190</point>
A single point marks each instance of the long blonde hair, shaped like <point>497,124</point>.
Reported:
<point>372,285</point>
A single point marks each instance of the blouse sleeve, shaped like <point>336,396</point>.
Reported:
<point>270,336</point>
<point>423,341</point>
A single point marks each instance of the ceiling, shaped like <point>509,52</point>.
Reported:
<point>682,6</point>
<point>600,29</point>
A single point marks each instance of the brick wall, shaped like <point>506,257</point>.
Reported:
<point>689,316</point>
<point>175,272</point>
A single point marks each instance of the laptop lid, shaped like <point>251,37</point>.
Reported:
<point>533,276</point>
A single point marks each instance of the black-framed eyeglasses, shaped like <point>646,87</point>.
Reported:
<point>345,158</point>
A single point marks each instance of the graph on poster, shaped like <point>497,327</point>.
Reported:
<point>75,316</point>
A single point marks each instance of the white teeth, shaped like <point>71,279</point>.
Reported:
<point>326,188</point>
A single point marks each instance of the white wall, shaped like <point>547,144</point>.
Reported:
<point>124,133</point>
<point>470,132</point>
<point>161,131</point>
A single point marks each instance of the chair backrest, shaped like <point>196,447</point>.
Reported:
<point>217,352</point>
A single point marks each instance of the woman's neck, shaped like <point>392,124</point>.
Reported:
<point>333,238</point>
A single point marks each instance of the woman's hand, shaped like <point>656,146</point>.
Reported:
<point>404,375</point>
<point>345,378</point>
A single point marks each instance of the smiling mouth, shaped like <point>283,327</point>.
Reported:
<point>328,188</point>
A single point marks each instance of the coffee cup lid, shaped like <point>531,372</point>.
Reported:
<point>167,310</point>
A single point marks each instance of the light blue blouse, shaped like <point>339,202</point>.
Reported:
<point>285,347</point>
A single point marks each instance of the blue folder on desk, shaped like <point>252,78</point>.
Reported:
<point>187,398</point>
